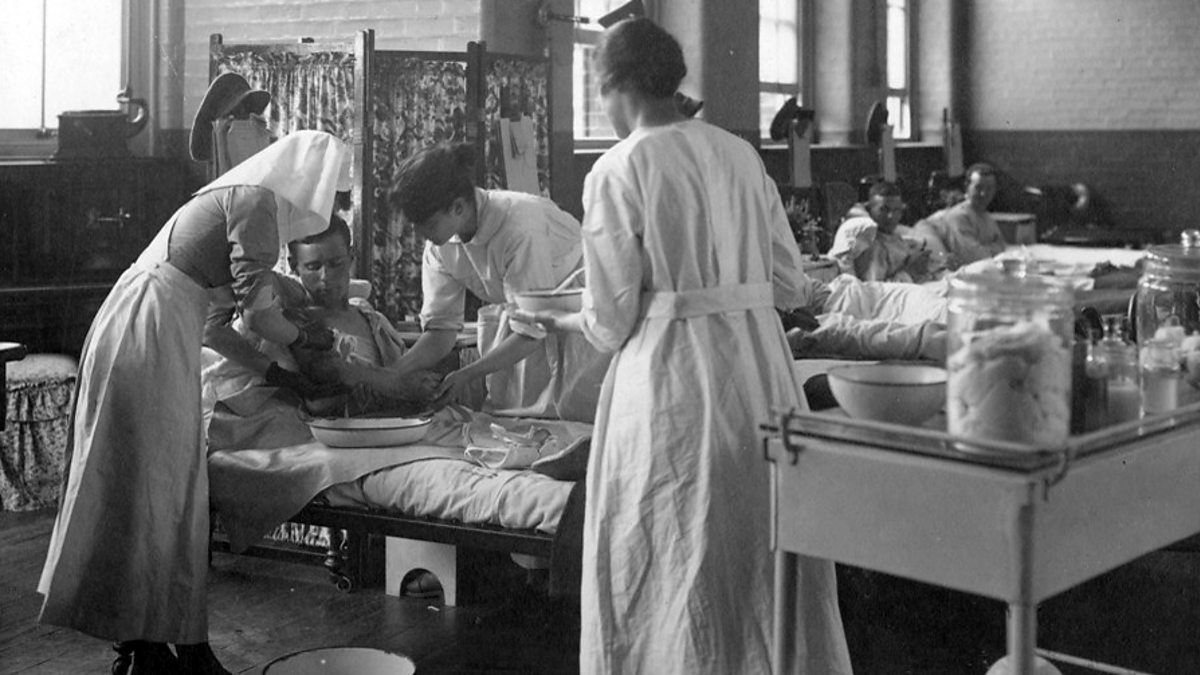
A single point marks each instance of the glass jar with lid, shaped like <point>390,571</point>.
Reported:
<point>1167,316</point>
<point>1009,358</point>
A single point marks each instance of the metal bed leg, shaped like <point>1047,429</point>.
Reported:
<point>786,568</point>
<point>1022,637</point>
<point>1022,610</point>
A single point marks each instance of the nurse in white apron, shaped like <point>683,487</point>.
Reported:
<point>495,244</point>
<point>128,558</point>
<point>688,253</point>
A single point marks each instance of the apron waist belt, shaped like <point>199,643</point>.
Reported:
<point>702,301</point>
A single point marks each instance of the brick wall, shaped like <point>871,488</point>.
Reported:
<point>1101,91</point>
<point>438,25</point>
<point>1084,65</point>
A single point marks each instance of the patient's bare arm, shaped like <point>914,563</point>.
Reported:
<point>371,386</point>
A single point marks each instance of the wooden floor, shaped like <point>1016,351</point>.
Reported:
<point>262,609</point>
<point>1144,616</point>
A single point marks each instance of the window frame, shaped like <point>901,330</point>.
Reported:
<point>42,142</point>
<point>585,35</point>
<point>802,89</point>
<point>906,94</point>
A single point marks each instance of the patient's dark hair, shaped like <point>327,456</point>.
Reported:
<point>337,228</point>
<point>884,188</point>
<point>432,179</point>
<point>638,55</point>
<point>981,168</point>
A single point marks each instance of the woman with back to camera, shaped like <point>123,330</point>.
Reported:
<point>687,253</point>
<point>128,557</point>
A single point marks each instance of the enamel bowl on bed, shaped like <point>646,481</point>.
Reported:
<point>368,432</point>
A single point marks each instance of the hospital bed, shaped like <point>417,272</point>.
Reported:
<point>379,514</point>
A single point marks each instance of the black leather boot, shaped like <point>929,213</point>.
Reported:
<point>138,657</point>
<point>199,659</point>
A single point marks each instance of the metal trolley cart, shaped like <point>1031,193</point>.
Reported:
<point>1015,523</point>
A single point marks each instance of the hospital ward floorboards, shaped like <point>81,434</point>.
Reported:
<point>1144,616</point>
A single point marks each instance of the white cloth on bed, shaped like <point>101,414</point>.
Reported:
<point>256,488</point>
<point>886,300</point>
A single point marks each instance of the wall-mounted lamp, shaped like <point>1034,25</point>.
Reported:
<point>629,9</point>
<point>545,16</point>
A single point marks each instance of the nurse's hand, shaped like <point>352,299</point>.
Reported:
<point>313,336</point>
<point>551,319</point>
<point>452,388</point>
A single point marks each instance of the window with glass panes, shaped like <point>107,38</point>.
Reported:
<point>778,57</point>
<point>590,121</point>
<point>58,55</point>
<point>898,91</point>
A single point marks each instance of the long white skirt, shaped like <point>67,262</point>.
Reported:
<point>129,554</point>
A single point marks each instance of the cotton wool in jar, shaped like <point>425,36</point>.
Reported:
<point>1009,358</point>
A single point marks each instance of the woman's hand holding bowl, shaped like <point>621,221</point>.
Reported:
<point>555,320</point>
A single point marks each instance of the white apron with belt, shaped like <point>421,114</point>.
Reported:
<point>128,556</point>
<point>677,567</point>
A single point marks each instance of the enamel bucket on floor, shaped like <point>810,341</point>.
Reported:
<point>341,661</point>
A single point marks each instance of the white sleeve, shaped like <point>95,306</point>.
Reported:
<point>613,221</point>
<point>443,296</point>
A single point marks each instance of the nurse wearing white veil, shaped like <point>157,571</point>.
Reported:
<point>128,556</point>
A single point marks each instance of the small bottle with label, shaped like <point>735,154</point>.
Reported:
<point>1161,375</point>
<point>1121,364</point>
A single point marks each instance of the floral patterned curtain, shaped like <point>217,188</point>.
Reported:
<point>416,101</point>
<point>516,86</point>
<point>309,89</point>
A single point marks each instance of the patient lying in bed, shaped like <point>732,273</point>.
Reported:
<point>853,319</point>
<point>264,464</point>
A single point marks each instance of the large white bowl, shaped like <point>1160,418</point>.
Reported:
<point>341,661</point>
<point>368,432</point>
<point>569,300</point>
<point>897,392</point>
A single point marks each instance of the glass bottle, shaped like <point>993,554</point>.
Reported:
<point>1093,386</point>
<point>1168,324</point>
<point>1124,394</point>
<point>1009,358</point>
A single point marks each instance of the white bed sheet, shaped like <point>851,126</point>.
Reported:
<point>459,490</point>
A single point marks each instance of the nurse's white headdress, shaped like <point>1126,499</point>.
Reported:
<point>304,169</point>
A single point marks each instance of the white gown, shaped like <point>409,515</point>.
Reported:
<point>687,250</point>
<point>523,243</point>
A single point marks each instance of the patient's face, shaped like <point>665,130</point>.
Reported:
<point>981,190</point>
<point>324,269</point>
<point>886,211</point>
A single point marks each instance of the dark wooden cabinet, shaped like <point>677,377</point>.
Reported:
<point>68,228</point>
